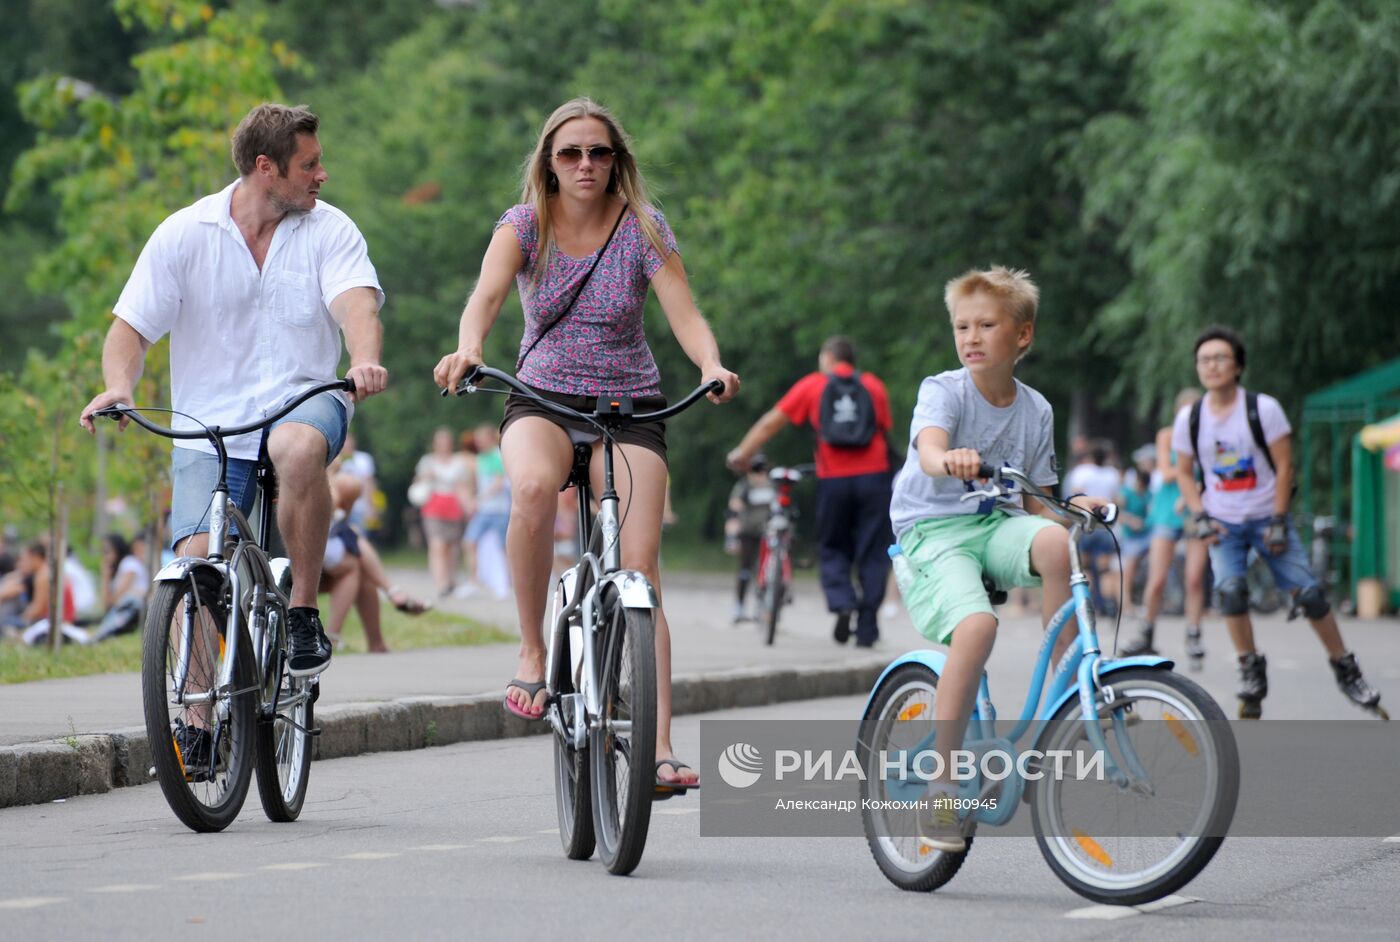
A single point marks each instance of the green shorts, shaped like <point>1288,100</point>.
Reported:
<point>948,556</point>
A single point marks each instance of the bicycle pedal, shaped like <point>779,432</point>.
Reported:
<point>314,731</point>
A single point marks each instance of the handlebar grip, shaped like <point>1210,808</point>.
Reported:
<point>349,385</point>
<point>1108,513</point>
<point>714,386</point>
<point>113,412</point>
<point>985,470</point>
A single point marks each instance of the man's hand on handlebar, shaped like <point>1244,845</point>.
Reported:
<point>370,379</point>
<point>101,401</point>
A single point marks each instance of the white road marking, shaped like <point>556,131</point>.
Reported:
<point>1284,664</point>
<point>368,855</point>
<point>675,811</point>
<point>504,839</point>
<point>210,877</point>
<point>293,865</point>
<point>548,831</point>
<point>1103,911</point>
<point>29,902</point>
<point>124,888</point>
<point>1392,840</point>
<point>441,847</point>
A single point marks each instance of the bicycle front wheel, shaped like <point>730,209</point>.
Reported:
<point>1134,842</point>
<point>622,746</point>
<point>200,734</point>
<point>284,734</point>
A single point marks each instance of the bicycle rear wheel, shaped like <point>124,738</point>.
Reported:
<point>899,718</point>
<point>777,590</point>
<point>1126,844</point>
<point>284,736</point>
<point>622,748</point>
<point>182,650</point>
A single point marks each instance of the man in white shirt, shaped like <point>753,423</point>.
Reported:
<point>255,284</point>
<point>1247,467</point>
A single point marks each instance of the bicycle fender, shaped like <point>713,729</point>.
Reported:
<point>633,589</point>
<point>1107,671</point>
<point>933,660</point>
<point>178,569</point>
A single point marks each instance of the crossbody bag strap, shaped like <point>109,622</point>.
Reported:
<point>577,292</point>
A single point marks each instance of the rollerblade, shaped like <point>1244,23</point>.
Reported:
<point>1254,685</point>
<point>1351,683</point>
<point>1140,645</point>
<point>1195,651</point>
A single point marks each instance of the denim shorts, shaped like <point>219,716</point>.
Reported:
<point>193,474</point>
<point>1229,556</point>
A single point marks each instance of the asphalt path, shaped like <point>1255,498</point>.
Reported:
<point>461,842</point>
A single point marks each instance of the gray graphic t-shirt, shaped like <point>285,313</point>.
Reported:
<point>1021,435</point>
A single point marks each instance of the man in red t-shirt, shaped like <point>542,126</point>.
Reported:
<point>853,490</point>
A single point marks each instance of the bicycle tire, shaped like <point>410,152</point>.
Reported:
<point>777,594</point>
<point>572,786</point>
<point>285,740</point>
<point>909,689</point>
<point>213,804</point>
<point>1127,869</point>
<point>622,796</point>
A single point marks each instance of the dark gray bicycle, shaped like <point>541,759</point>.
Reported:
<point>214,655</point>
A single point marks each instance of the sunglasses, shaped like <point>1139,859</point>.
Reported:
<point>600,154</point>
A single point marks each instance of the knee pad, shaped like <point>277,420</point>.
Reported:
<point>1313,601</point>
<point>1234,596</point>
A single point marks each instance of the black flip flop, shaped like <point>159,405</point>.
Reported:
<point>532,688</point>
<point>664,789</point>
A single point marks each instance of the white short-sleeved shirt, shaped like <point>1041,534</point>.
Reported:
<point>1239,483</point>
<point>244,341</point>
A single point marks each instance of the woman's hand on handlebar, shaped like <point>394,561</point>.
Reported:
<point>718,373</point>
<point>102,400</point>
<point>452,368</point>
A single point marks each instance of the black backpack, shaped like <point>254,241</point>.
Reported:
<point>846,416</point>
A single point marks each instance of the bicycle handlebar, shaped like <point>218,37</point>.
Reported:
<point>1101,516</point>
<point>469,384</point>
<point>116,411</point>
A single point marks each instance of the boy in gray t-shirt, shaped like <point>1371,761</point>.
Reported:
<point>963,418</point>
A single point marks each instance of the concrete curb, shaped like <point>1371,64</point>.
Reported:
<point>38,772</point>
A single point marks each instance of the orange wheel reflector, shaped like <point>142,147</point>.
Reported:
<point>924,850</point>
<point>221,647</point>
<point>179,756</point>
<point>912,711</point>
<point>1182,734</point>
<point>1092,848</point>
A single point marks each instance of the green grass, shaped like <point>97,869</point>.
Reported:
<point>20,664</point>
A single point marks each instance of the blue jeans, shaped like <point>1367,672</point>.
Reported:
<point>194,473</point>
<point>1229,555</point>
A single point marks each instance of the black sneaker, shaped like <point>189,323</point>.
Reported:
<point>309,648</point>
<point>842,632</point>
<point>1140,645</point>
<point>193,747</point>
<point>1351,683</point>
<point>1254,685</point>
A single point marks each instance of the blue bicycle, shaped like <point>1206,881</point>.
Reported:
<point>1132,772</point>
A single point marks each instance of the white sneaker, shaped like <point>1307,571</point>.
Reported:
<point>939,827</point>
<point>889,610</point>
<point>465,591</point>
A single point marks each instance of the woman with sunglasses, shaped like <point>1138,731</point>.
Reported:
<point>583,246</point>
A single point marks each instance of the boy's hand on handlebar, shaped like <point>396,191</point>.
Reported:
<point>370,379</point>
<point>453,368</point>
<point>962,463</point>
<point>1090,504</point>
<point>101,401</point>
<point>730,381</point>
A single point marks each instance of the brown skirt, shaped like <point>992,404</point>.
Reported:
<point>649,435</point>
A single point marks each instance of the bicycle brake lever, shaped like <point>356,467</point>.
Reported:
<point>982,494</point>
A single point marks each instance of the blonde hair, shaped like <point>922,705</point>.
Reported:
<point>538,183</point>
<point>1012,288</point>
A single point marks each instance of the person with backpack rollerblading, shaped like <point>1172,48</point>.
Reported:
<point>850,412</point>
<point>1241,503</point>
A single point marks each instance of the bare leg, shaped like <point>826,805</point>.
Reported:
<point>537,456</point>
<point>439,562</point>
<point>1329,634</point>
<point>344,580</point>
<point>367,605</point>
<point>1050,559</point>
<point>1159,564</point>
<point>957,687</point>
<point>298,452</point>
<point>644,496</point>
<point>1197,556</point>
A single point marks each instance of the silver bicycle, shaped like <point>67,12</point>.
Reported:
<point>600,671</point>
<point>218,697</point>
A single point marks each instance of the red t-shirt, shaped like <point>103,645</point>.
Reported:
<point>802,406</point>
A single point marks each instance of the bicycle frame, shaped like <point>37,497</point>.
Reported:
<point>1082,671</point>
